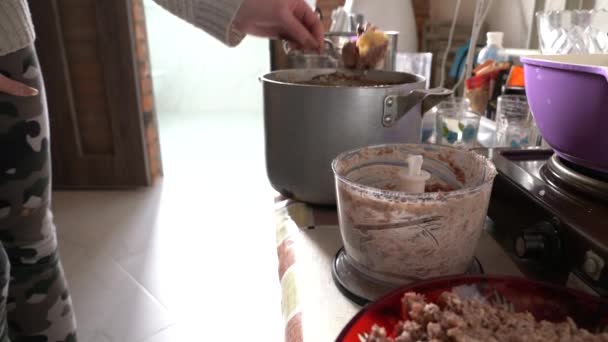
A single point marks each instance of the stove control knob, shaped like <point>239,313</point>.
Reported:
<point>540,242</point>
<point>593,265</point>
<point>529,245</point>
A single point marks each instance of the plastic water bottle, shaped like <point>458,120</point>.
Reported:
<point>493,49</point>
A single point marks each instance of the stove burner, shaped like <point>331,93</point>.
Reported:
<point>360,288</point>
<point>576,179</point>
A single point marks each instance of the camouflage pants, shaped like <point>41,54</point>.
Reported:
<point>34,304</point>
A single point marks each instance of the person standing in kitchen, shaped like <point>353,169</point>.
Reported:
<point>35,303</point>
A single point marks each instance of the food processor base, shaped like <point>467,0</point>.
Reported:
<point>362,289</point>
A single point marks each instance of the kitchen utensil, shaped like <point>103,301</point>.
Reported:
<point>390,59</point>
<point>513,122</point>
<point>568,96</point>
<point>307,126</point>
<point>415,63</point>
<point>456,123</point>
<point>573,32</point>
<point>339,38</point>
<point>390,15</point>
<point>297,59</point>
<point>332,54</point>
<point>343,21</point>
<point>394,237</point>
<point>340,21</point>
<point>544,301</point>
<point>358,22</point>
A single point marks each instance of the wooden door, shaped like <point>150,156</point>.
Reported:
<point>87,51</point>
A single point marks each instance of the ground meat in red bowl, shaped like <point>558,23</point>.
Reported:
<point>480,308</point>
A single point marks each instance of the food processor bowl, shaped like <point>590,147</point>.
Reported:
<point>395,238</point>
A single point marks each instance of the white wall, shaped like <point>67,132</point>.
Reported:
<point>513,17</point>
<point>192,72</point>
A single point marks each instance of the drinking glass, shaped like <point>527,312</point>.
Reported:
<point>456,123</point>
<point>573,32</point>
<point>514,126</point>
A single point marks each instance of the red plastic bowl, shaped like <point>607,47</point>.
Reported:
<point>544,301</point>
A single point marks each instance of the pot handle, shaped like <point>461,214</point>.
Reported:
<point>396,106</point>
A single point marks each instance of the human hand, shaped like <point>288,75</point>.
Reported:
<point>293,20</point>
<point>15,88</point>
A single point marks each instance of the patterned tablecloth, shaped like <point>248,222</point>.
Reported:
<point>296,222</point>
<point>307,240</point>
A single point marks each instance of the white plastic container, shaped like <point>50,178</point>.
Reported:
<point>493,49</point>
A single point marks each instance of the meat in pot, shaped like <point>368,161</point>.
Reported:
<point>339,79</point>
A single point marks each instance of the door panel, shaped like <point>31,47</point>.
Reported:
<point>87,55</point>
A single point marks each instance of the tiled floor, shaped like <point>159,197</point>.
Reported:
<point>193,258</point>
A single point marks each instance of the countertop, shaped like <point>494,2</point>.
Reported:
<point>308,239</point>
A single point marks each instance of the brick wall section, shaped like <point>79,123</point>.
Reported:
<point>422,11</point>
<point>146,90</point>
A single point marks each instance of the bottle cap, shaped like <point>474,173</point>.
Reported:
<point>495,38</point>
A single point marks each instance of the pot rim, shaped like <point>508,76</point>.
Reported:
<point>489,178</point>
<point>264,78</point>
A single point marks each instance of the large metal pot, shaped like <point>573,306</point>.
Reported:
<point>307,126</point>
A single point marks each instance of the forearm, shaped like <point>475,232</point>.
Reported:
<point>216,17</point>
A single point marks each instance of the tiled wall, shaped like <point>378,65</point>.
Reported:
<point>146,90</point>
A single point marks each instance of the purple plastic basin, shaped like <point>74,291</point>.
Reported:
<point>568,96</point>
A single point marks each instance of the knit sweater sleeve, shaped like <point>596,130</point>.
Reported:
<point>216,17</point>
<point>16,28</point>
